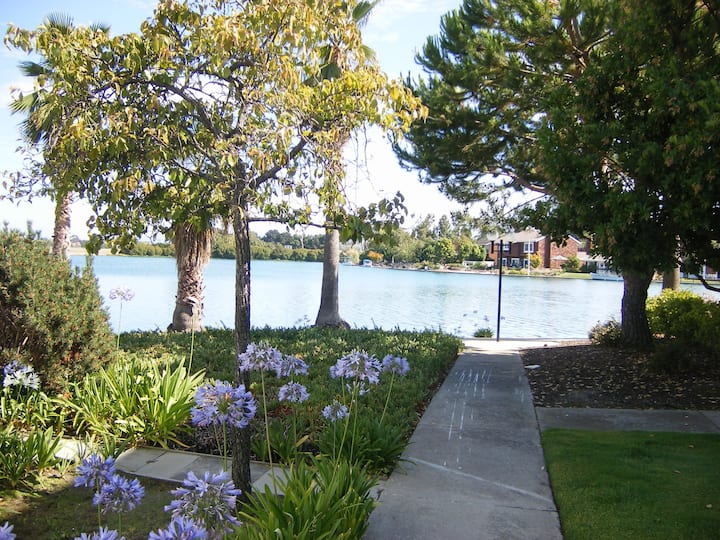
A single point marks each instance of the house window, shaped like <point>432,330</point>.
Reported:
<point>515,262</point>
<point>529,247</point>
<point>506,246</point>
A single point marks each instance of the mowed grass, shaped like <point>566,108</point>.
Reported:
<point>635,485</point>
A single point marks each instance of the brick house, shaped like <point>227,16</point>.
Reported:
<point>519,246</point>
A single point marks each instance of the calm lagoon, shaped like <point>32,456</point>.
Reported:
<point>286,293</point>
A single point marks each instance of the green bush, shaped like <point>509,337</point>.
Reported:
<point>24,457</point>
<point>571,265</point>
<point>483,333</point>
<point>50,316</point>
<point>607,333</point>
<point>323,499</point>
<point>686,317</point>
<point>135,401</point>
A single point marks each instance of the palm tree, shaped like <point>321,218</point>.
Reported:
<point>40,128</point>
<point>329,311</point>
<point>193,247</point>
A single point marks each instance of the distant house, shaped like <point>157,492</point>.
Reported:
<point>518,247</point>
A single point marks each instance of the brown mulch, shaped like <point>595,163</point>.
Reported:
<point>585,375</point>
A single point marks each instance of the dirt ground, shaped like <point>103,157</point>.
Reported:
<point>584,375</point>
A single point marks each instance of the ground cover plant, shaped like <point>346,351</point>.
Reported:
<point>356,405</point>
<point>635,484</point>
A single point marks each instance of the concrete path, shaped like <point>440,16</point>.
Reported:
<point>475,468</point>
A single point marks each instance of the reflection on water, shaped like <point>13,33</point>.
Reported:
<point>285,293</point>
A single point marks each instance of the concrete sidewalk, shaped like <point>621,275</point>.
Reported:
<point>474,467</point>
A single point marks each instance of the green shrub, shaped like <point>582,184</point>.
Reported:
<point>607,333</point>
<point>135,401</point>
<point>323,499</point>
<point>671,356</point>
<point>483,333</point>
<point>684,316</point>
<point>50,316</point>
<point>372,443</point>
<point>571,265</point>
<point>24,457</point>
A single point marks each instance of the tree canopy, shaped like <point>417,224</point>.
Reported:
<point>607,109</point>
<point>207,111</point>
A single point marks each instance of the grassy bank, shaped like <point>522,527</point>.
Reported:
<point>635,485</point>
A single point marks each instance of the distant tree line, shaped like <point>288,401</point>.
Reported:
<point>273,245</point>
<point>449,241</point>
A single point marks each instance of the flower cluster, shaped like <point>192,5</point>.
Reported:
<point>293,392</point>
<point>397,365</point>
<point>6,532</point>
<point>335,411</point>
<point>118,495</point>
<point>210,501</point>
<point>17,374</point>
<point>180,528</point>
<point>259,357</point>
<point>102,534</point>
<point>220,403</point>
<point>123,293</point>
<point>94,471</point>
<point>263,357</point>
<point>358,365</point>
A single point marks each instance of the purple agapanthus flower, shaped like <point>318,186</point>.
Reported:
<point>6,532</point>
<point>181,528</point>
<point>395,364</point>
<point>123,293</point>
<point>358,365</point>
<point>220,403</point>
<point>293,392</point>
<point>17,374</point>
<point>103,533</point>
<point>209,500</point>
<point>290,366</point>
<point>335,411</point>
<point>119,495</point>
<point>94,471</point>
<point>259,357</point>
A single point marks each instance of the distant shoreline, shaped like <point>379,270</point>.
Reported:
<point>81,251</point>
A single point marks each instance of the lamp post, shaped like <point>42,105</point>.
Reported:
<point>499,260</point>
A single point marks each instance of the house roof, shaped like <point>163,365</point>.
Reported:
<point>528,235</point>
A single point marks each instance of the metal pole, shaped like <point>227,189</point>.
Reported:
<point>499,259</point>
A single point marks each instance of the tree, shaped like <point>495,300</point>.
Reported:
<point>38,128</point>
<point>630,149</point>
<point>225,81</point>
<point>329,310</point>
<point>572,100</point>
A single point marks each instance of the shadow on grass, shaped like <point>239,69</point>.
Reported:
<point>56,510</point>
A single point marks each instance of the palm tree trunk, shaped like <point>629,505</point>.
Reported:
<point>61,232</point>
<point>192,253</point>
<point>241,437</point>
<point>329,312</point>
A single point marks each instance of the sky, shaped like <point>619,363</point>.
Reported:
<point>396,31</point>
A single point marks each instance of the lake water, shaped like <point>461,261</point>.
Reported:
<point>286,293</point>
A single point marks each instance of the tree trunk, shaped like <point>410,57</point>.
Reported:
<point>61,233</point>
<point>635,328</point>
<point>192,253</point>
<point>241,437</point>
<point>671,279</point>
<point>329,312</point>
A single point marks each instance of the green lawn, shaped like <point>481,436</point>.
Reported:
<point>635,485</point>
